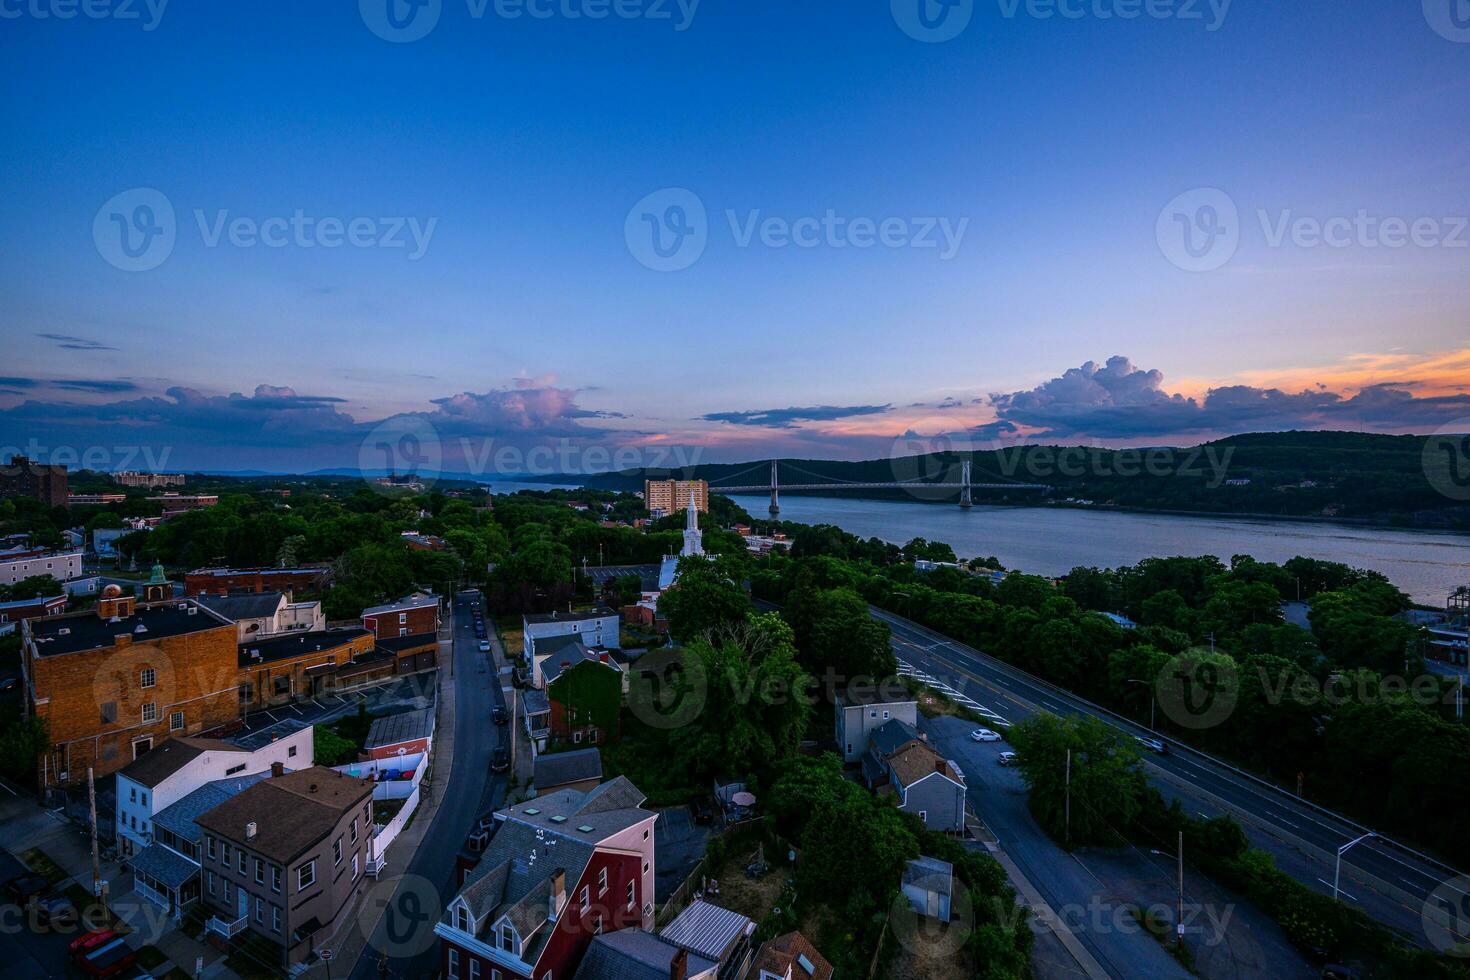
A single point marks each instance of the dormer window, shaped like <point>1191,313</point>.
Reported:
<point>507,939</point>
<point>462,919</point>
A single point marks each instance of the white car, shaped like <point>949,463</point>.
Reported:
<point>984,735</point>
<point>484,646</point>
<point>1006,758</point>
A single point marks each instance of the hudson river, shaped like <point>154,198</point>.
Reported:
<point>1054,540</point>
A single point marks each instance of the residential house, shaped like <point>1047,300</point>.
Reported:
<point>561,870</point>
<point>113,682</point>
<point>927,785</point>
<point>714,933</point>
<point>863,709</point>
<point>536,715</point>
<point>409,616</point>
<point>928,884</point>
<point>285,858</point>
<point>261,614</point>
<point>789,957</point>
<point>579,770</point>
<point>585,690</point>
<point>24,563</point>
<point>16,610</point>
<point>277,669</point>
<point>158,779</point>
<point>632,954</point>
<point>598,627</point>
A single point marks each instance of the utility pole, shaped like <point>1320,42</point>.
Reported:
<point>1069,798</point>
<point>99,889</point>
<point>1179,920</point>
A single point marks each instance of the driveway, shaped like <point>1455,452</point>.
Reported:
<point>678,846</point>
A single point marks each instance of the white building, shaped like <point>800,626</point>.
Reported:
<point>261,614</point>
<point>600,627</point>
<point>860,712</point>
<point>60,565</point>
<point>161,777</point>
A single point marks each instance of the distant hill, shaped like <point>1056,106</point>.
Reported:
<point>1351,476</point>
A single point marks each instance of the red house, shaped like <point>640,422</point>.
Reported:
<point>409,616</point>
<point>561,869</point>
<point>19,609</point>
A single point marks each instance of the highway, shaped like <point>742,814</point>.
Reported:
<point>1388,881</point>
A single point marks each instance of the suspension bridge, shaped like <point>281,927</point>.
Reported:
<point>964,484</point>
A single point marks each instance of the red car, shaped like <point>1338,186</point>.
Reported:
<point>106,959</point>
<point>90,940</point>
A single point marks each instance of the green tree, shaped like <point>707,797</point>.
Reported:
<point>1107,781</point>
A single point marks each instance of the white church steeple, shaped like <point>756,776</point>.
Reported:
<point>693,539</point>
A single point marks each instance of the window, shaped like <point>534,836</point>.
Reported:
<point>474,969</point>
<point>291,752</point>
<point>336,852</point>
<point>234,769</point>
<point>275,879</point>
<point>306,875</point>
<point>150,712</point>
<point>132,795</point>
<point>354,830</point>
<point>354,867</point>
<point>453,962</point>
<point>586,899</point>
<point>259,871</point>
<point>148,678</point>
<point>462,919</point>
<point>645,867</point>
<point>259,909</point>
<point>645,835</point>
<point>275,918</point>
<point>507,939</point>
<point>143,798</point>
<point>924,816</point>
<point>601,882</point>
<point>228,900</point>
<point>631,899</point>
<point>241,853</point>
<point>597,924</point>
<point>209,881</point>
<point>402,618</point>
<point>209,843</point>
<point>176,721</point>
<point>225,853</point>
<point>496,974</point>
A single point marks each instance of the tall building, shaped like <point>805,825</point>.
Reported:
<point>663,497</point>
<point>24,477</point>
<point>135,478</point>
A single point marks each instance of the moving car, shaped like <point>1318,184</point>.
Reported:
<point>984,735</point>
<point>1152,744</point>
<point>500,760</point>
<point>484,646</point>
<point>1007,758</point>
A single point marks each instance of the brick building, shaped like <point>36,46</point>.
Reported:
<point>664,497</point>
<point>411,616</point>
<point>17,610</point>
<point>23,477</point>
<point>178,503</point>
<point>113,682</point>
<point>225,581</point>
<point>277,669</point>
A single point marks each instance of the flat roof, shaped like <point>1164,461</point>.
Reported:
<point>273,648</point>
<point>79,632</point>
<point>537,619</point>
<point>403,605</point>
<point>405,726</point>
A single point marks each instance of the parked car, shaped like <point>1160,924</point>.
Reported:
<point>90,940</point>
<point>106,959</point>
<point>22,888</point>
<point>484,646</point>
<point>1007,758</point>
<point>703,812</point>
<point>500,715</point>
<point>1152,744</point>
<point>500,760</point>
<point>984,735</point>
<point>53,910</point>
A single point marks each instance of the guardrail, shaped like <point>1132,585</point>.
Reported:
<point>227,929</point>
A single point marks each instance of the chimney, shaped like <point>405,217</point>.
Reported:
<point>558,890</point>
<point>277,770</point>
<point>602,657</point>
<point>679,965</point>
<point>250,829</point>
<point>122,639</point>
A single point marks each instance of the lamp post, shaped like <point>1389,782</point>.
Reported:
<point>1337,869</point>
<point>1153,711</point>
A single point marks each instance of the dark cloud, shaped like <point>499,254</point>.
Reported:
<point>69,342</point>
<point>786,418</point>
<point>104,387</point>
<point>1120,401</point>
<point>17,382</point>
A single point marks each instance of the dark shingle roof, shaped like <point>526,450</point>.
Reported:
<point>290,812</point>
<point>168,867</point>
<point>535,619</point>
<point>891,736</point>
<point>570,655</point>
<point>632,954</point>
<point>180,816</point>
<point>560,768</point>
<point>291,645</point>
<point>244,605</point>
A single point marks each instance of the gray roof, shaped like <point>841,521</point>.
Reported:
<point>156,765</point>
<point>890,736</point>
<point>647,574</point>
<point>707,929</point>
<point>167,866</point>
<point>560,768</point>
<point>403,605</point>
<point>930,874</point>
<point>632,954</point>
<point>179,816</point>
<point>537,619</point>
<point>402,727</point>
<point>872,767</point>
<point>568,656</point>
<point>606,809</point>
<point>244,605</point>
<point>513,878</point>
<point>535,702</point>
<point>261,737</point>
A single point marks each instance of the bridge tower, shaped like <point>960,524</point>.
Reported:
<point>775,496</point>
<point>965,485</point>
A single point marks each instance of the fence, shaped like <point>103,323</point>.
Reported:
<point>390,830</point>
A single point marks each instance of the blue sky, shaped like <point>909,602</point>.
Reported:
<point>517,147</point>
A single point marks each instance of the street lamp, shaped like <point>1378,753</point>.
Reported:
<point>1337,869</point>
<point>1154,706</point>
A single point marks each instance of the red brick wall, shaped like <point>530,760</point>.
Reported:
<point>386,625</point>
<point>260,580</point>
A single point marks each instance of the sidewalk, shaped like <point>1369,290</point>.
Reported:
<point>351,939</point>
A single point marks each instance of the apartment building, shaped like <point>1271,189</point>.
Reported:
<point>664,497</point>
